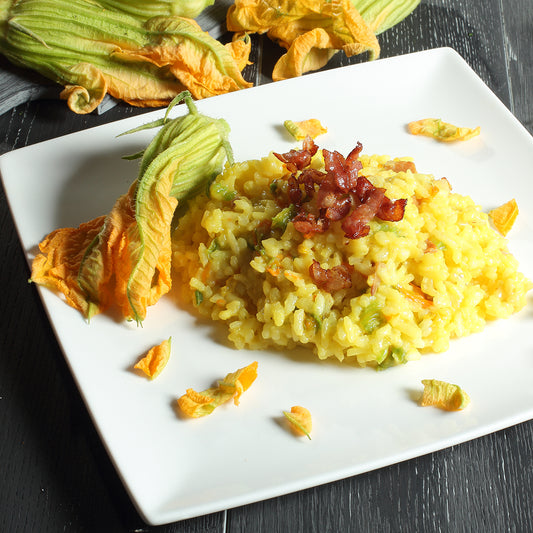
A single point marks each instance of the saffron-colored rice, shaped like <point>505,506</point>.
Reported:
<point>441,272</point>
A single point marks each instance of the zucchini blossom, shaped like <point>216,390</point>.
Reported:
<point>92,48</point>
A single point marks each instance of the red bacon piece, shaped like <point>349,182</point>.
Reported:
<point>309,145</point>
<point>401,166</point>
<point>344,174</point>
<point>341,194</point>
<point>334,206</point>
<point>294,192</point>
<point>308,224</point>
<point>308,178</point>
<point>355,225</point>
<point>392,210</point>
<point>353,157</point>
<point>299,159</point>
<point>331,279</point>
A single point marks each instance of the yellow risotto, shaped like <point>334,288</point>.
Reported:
<point>438,273</point>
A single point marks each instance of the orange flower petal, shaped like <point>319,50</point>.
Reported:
<point>155,360</point>
<point>300,420</point>
<point>417,296</point>
<point>196,404</point>
<point>504,217</point>
<point>57,266</point>
<point>443,395</point>
<point>300,130</point>
<point>240,48</point>
<point>441,131</point>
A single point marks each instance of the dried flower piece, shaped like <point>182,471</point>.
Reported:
<point>198,404</point>
<point>300,130</point>
<point>416,295</point>
<point>300,420</point>
<point>312,31</point>
<point>155,360</point>
<point>443,395</point>
<point>441,131</point>
<point>503,217</point>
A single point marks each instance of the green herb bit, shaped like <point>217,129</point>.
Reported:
<point>281,220</point>
<point>371,317</point>
<point>213,246</point>
<point>318,321</point>
<point>396,355</point>
<point>219,191</point>
<point>198,297</point>
<point>385,226</point>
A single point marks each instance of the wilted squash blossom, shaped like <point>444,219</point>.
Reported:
<point>124,258</point>
<point>312,31</point>
<point>145,10</point>
<point>381,15</point>
<point>94,50</point>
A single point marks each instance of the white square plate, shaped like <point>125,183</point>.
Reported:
<point>175,468</point>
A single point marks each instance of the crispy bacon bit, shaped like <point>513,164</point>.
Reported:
<point>340,193</point>
<point>353,157</point>
<point>294,192</point>
<point>355,225</point>
<point>431,247</point>
<point>401,166</point>
<point>337,207</point>
<point>331,279</point>
<point>309,224</point>
<point>299,159</point>
<point>364,189</point>
<point>344,174</point>
<point>392,210</point>
<point>310,145</point>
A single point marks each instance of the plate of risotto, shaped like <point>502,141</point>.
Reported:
<point>351,288</point>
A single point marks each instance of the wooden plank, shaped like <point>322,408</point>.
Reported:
<point>518,43</point>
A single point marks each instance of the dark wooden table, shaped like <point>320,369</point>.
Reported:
<point>55,473</point>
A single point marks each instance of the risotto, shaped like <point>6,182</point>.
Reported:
<point>439,272</point>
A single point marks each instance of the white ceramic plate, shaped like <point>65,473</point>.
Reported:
<point>175,468</point>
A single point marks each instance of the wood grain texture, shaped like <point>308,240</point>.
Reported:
<point>56,475</point>
<point>518,46</point>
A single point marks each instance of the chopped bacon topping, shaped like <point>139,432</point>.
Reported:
<point>401,166</point>
<point>299,159</point>
<point>431,247</point>
<point>331,279</point>
<point>392,211</point>
<point>340,193</point>
<point>355,225</point>
<point>309,224</point>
